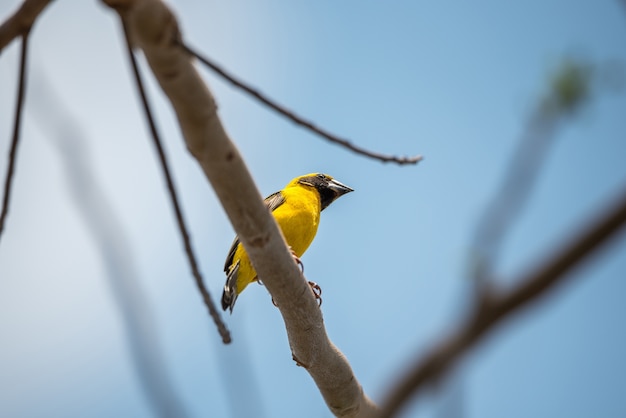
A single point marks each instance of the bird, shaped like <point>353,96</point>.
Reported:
<point>297,209</point>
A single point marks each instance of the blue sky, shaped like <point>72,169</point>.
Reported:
<point>454,81</point>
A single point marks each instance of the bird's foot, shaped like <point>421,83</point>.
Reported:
<point>297,259</point>
<point>317,292</point>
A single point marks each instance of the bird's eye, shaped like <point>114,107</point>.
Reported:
<point>321,176</point>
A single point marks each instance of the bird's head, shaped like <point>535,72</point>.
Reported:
<point>328,188</point>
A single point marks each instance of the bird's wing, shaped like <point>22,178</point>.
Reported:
<point>231,254</point>
<point>272,202</point>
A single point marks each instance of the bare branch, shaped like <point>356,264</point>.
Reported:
<point>568,90</point>
<point>109,236</point>
<point>21,21</point>
<point>510,199</point>
<point>153,28</point>
<point>206,296</point>
<point>403,160</point>
<point>21,89</point>
<point>496,307</point>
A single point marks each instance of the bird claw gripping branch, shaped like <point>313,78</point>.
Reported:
<point>317,292</point>
<point>297,260</point>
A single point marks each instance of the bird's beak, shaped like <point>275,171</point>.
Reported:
<point>339,188</point>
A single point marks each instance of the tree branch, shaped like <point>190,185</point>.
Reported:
<point>19,106</point>
<point>191,257</point>
<point>103,225</point>
<point>298,120</point>
<point>496,307</point>
<point>21,21</point>
<point>568,90</point>
<point>154,29</point>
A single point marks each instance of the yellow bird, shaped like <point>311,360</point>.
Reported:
<point>297,210</point>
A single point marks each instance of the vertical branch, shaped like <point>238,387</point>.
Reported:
<point>21,89</point>
<point>509,201</point>
<point>221,327</point>
<point>102,223</point>
<point>568,91</point>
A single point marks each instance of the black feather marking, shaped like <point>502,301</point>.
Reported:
<point>231,254</point>
<point>321,183</point>
<point>274,200</point>
<point>229,296</point>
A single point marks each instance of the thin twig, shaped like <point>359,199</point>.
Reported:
<point>224,333</point>
<point>496,307</point>
<point>402,160</point>
<point>21,89</point>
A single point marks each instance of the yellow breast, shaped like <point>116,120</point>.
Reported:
<point>299,216</point>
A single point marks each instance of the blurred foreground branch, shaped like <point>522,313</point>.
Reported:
<point>21,21</point>
<point>102,222</point>
<point>568,90</point>
<point>496,306</point>
<point>154,29</point>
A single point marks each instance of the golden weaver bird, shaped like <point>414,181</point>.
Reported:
<point>297,210</point>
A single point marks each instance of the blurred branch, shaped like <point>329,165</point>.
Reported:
<point>19,106</point>
<point>206,296</point>
<point>497,306</point>
<point>402,160</point>
<point>154,29</point>
<point>512,195</point>
<point>108,234</point>
<point>568,90</point>
<point>21,21</point>
<point>238,375</point>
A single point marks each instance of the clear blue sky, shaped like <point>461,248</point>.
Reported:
<point>454,81</point>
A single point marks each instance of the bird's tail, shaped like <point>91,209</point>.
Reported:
<point>229,297</point>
